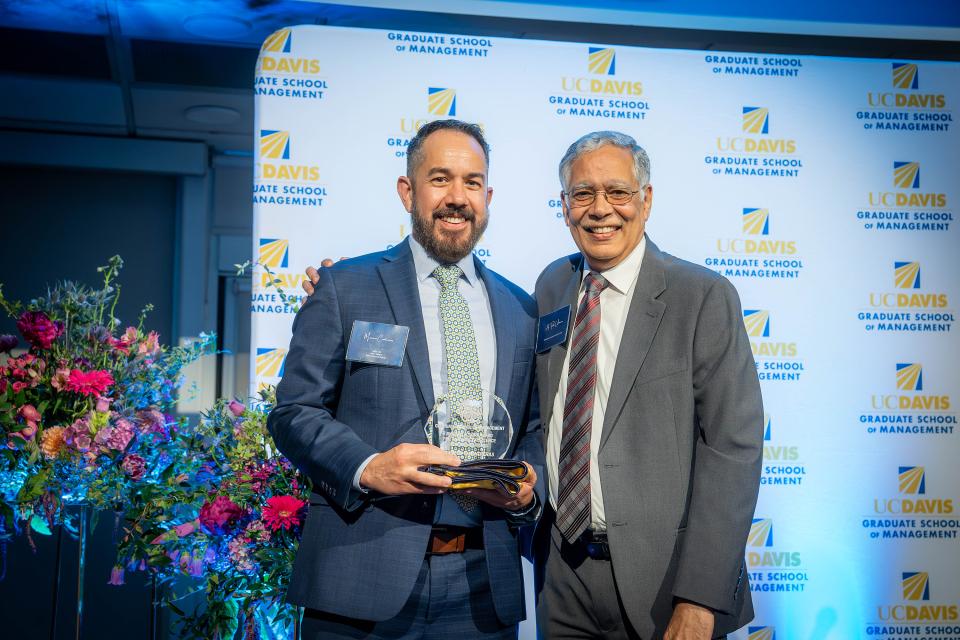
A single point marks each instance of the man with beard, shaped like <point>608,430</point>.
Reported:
<point>387,551</point>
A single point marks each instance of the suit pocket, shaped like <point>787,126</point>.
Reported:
<point>664,370</point>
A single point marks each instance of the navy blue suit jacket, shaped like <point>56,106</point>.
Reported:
<point>331,415</point>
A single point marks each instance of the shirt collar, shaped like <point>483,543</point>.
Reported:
<point>622,276</point>
<point>425,264</point>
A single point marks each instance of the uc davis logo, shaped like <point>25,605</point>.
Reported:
<point>270,362</point>
<point>757,323</point>
<point>909,376</point>
<point>905,75</point>
<point>279,42</point>
<point>916,585</point>
<point>442,102</point>
<point>756,222</point>
<point>274,252</point>
<point>915,606</point>
<point>274,144</point>
<point>602,61</point>
<point>913,480</point>
<point>906,275</point>
<point>756,120</point>
<point>906,175</point>
<point>761,533</point>
<point>766,427</point>
<point>761,633</point>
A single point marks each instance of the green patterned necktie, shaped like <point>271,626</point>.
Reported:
<point>464,392</point>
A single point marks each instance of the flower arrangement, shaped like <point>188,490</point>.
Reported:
<point>228,513</point>
<point>85,418</point>
<point>85,411</point>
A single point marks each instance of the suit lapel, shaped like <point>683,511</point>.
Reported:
<point>400,282</point>
<point>503,330</point>
<point>558,354</point>
<point>643,320</point>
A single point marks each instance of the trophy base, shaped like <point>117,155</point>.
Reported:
<point>491,473</point>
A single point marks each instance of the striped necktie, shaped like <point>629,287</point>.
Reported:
<point>573,503</point>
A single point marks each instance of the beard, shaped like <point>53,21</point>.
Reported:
<point>444,248</point>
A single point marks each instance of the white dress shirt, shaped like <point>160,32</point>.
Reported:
<point>614,305</point>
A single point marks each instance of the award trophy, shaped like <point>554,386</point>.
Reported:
<point>479,431</point>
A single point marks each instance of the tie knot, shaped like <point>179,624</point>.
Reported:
<point>448,275</point>
<point>595,283</point>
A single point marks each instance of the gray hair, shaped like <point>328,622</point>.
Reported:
<point>597,139</point>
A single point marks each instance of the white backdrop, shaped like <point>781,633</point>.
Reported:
<point>824,188</point>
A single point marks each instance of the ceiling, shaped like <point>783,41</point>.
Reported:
<point>183,69</point>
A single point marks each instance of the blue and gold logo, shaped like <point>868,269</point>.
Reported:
<point>270,362</point>
<point>602,61</point>
<point>757,322</point>
<point>441,102</point>
<point>905,75</point>
<point>274,253</point>
<point>756,120</point>
<point>274,144</point>
<point>909,376</point>
<point>916,585</point>
<point>761,633</point>
<point>913,480</point>
<point>906,175</point>
<point>906,275</point>
<point>278,42</point>
<point>756,222</point>
<point>761,533</point>
<point>766,426</point>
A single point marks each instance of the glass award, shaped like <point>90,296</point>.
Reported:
<point>473,428</point>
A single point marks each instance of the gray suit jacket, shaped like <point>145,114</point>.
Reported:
<point>682,439</point>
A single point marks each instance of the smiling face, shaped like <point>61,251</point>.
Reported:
<point>447,195</point>
<point>605,233</point>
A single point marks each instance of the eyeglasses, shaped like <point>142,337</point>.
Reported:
<point>584,197</point>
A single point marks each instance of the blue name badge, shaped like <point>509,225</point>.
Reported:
<point>377,343</point>
<point>552,329</point>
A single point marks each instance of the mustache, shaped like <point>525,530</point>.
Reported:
<point>469,216</point>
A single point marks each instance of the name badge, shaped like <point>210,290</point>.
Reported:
<point>552,329</point>
<point>377,343</point>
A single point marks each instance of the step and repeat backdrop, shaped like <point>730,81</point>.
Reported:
<point>825,189</point>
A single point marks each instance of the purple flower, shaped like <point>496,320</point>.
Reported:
<point>116,576</point>
<point>153,421</point>
<point>8,343</point>
<point>116,437</point>
<point>103,404</point>
<point>220,515</point>
<point>134,466</point>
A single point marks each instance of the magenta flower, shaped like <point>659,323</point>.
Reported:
<point>220,515</point>
<point>89,383</point>
<point>38,329</point>
<point>236,408</point>
<point>134,466</point>
<point>282,512</point>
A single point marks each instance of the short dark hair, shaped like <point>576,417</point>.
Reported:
<point>415,146</point>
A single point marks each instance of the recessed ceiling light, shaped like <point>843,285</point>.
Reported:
<point>208,25</point>
<point>211,114</point>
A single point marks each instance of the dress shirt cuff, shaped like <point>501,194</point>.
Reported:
<point>526,516</point>
<point>359,493</point>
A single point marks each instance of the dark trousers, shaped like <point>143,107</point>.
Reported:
<point>450,601</point>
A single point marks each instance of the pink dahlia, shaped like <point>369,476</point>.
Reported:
<point>39,329</point>
<point>220,515</point>
<point>282,511</point>
<point>89,383</point>
<point>134,466</point>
